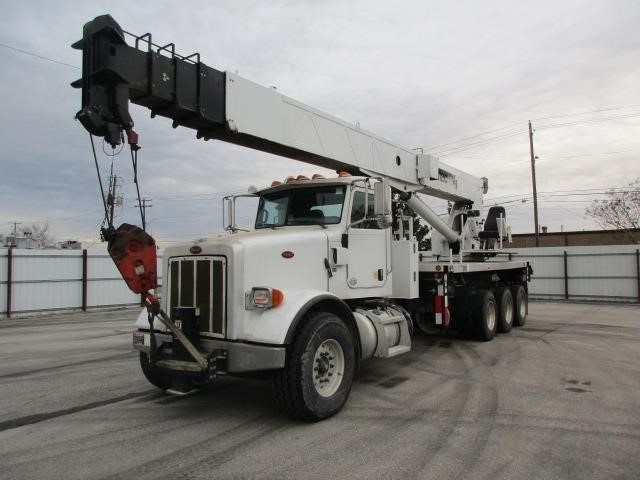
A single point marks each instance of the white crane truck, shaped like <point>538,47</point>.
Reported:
<point>331,275</point>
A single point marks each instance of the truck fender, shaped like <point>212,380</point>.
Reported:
<point>277,325</point>
<point>325,302</point>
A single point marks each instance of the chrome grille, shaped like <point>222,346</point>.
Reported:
<point>200,282</point>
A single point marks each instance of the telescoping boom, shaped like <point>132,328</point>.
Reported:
<point>224,106</point>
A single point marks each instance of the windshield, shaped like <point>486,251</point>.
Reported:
<point>301,206</point>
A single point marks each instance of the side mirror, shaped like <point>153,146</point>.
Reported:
<point>229,223</point>
<point>382,203</point>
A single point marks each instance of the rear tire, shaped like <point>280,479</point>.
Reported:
<point>158,377</point>
<point>319,369</point>
<point>461,313</point>
<point>484,315</point>
<point>520,302</point>
<point>504,300</point>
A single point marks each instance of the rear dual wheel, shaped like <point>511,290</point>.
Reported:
<point>481,314</point>
<point>520,305</point>
<point>484,315</point>
<point>462,313</point>
<point>504,301</point>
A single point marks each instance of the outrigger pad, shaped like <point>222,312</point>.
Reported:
<point>134,252</point>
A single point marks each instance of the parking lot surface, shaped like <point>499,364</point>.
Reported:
<point>557,398</point>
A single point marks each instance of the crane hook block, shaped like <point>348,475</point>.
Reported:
<point>134,252</point>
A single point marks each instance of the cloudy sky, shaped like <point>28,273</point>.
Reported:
<point>460,79</point>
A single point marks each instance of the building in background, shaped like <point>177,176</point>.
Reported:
<point>19,241</point>
<point>579,238</point>
<point>70,245</point>
<point>26,242</point>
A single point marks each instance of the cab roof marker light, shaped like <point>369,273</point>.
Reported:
<point>317,176</point>
<point>275,183</point>
<point>289,179</point>
<point>302,177</point>
<point>343,174</point>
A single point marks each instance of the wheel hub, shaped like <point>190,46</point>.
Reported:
<point>491,316</point>
<point>323,365</point>
<point>508,311</point>
<point>328,367</point>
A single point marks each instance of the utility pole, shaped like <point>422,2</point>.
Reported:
<point>15,232</point>
<point>15,228</point>
<point>111,197</point>
<point>533,179</point>
<point>143,205</point>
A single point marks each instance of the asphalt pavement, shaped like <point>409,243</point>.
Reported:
<point>556,399</point>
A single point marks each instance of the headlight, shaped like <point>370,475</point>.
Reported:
<point>263,297</point>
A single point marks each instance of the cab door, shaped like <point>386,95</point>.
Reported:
<point>368,263</point>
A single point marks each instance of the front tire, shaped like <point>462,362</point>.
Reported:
<point>319,369</point>
<point>158,377</point>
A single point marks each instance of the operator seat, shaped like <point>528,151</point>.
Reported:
<point>491,235</point>
<point>491,223</point>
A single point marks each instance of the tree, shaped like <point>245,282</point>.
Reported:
<point>420,230</point>
<point>620,211</point>
<point>39,234</point>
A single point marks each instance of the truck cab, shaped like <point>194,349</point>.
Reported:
<point>319,246</point>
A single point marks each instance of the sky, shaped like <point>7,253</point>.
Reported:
<point>458,79</point>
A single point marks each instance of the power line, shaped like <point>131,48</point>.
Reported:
<point>480,143</point>
<point>25,52</point>
<point>472,136</point>
<point>583,122</point>
<point>568,193</point>
<point>608,109</point>
<point>547,156</point>
<point>201,196</point>
<point>556,157</point>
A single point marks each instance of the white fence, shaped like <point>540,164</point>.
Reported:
<point>41,280</point>
<point>606,273</point>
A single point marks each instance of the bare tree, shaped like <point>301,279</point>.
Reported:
<point>621,211</point>
<point>39,234</point>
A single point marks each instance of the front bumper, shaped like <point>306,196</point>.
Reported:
<point>240,356</point>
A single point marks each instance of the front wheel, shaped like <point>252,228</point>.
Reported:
<point>318,373</point>
<point>158,377</point>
